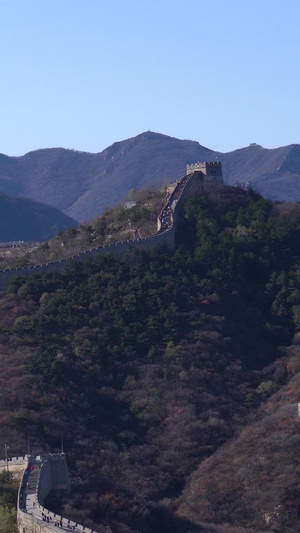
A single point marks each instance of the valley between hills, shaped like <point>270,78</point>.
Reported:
<point>173,375</point>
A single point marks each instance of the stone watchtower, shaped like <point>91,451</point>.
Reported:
<point>211,172</point>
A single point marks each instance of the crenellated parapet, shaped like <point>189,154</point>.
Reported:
<point>211,171</point>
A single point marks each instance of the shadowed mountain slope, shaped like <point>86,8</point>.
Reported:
<point>22,219</point>
<point>255,479</point>
<point>83,184</point>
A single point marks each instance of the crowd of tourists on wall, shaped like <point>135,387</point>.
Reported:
<point>11,244</point>
<point>166,214</point>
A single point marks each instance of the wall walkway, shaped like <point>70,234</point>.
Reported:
<point>42,474</point>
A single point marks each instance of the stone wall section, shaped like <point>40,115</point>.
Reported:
<point>176,200</point>
<point>42,474</point>
<point>45,482</point>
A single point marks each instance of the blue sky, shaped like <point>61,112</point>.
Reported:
<point>85,74</point>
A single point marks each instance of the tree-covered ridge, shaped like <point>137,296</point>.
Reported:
<point>149,363</point>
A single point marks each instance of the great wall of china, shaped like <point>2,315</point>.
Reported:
<point>210,172</point>
<point>43,473</point>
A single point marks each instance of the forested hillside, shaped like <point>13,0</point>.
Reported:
<point>254,480</point>
<point>151,363</point>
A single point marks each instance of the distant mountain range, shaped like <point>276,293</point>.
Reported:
<point>83,184</point>
<point>22,219</point>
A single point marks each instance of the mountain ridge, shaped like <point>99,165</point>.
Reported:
<point>83,184</point>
